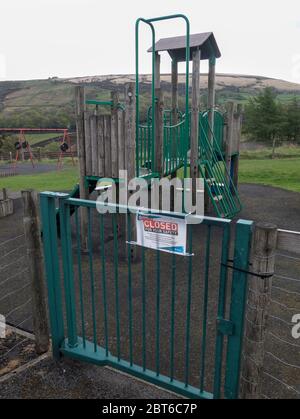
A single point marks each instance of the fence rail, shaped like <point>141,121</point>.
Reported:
<point>8,157</point>
<point>288,241</point>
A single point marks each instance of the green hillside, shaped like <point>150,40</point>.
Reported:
<point>50,103</point>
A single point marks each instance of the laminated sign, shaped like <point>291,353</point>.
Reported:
<point>164,233</point>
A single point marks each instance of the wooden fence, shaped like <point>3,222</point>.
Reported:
<point>39,155</point>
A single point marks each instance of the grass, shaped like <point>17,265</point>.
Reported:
<point>282,173</point>
<point>283,152</point>
<point>53,181</point>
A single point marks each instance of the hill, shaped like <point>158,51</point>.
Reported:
<point>50,103</point>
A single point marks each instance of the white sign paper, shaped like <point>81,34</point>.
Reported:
<point>164,233</point>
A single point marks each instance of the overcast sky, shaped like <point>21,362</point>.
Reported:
<point>64,38</point>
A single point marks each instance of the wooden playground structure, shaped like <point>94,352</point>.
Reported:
<point>198,142</point>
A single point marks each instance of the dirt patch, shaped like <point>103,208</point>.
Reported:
<point>15,351</point>
<point>75,380</point>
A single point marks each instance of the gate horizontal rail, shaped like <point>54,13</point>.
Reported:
<point>152,317</point>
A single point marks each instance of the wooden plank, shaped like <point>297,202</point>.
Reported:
<point>88,145</point>
<point>157,165</point>
<point>157,70</point>
<point>121,139</point>
<point>211,95</point>
<point>288,241</point>
<point>79,105</point>
<point>237,131</point>
<point>130,153</point>
<point>114,135</point>
<point>94,144</point>
<point>195,117</point>
<point>80,129</point>
<point>130,134</point>
<point>174,77</point>
<point>159,130</point>
<point>230,134</point>
<point>107,145</point>
<point>6,208</point>
<point>101,149</point>
<point>4,194</point>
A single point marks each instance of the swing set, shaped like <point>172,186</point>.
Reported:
<point>23,145</point>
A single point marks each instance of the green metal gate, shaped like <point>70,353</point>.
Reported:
<point>174,321</point>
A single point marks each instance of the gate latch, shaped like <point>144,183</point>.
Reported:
<point>226,327</point>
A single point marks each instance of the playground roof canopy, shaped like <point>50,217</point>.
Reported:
<point>175,46</point>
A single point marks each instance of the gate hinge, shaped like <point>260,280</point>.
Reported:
<point>226,327</point>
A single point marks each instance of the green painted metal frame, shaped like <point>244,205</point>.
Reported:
<point>79,348</point>
<point>150,22</point>
<point>210,159</point>
<point>239,290</point>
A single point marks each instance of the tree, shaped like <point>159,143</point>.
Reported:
<point>292,125</point>
<point>264,118</point>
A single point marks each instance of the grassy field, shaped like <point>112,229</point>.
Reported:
<point>283,173</point>
<point>266,153</point>
<point>52,181</point>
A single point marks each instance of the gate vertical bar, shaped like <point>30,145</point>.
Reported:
<point>221,312</point>
<point>237,309</point>
<point>66,245</point>
<point>79,271</point>
<point>48,218</point>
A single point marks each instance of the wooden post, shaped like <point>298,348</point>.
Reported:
<point>195,119</point>
<point>35,261</point>
<point>114,135</point>
<point>6,205</point>
<point>107,145</point>
<point>174,91</point>
<point>87,142</point>
<point>39,157</point>
<point>229,135</point>
<point>121,137</point>
<point>130,151</point>
<point>211,101</point>
<point>4,194</point>
<point>237,142</point>
<point>94,144</point>
<point>264,247</point>
<point>80,106</point>
<point>101,149</point>
<point>158,163</point>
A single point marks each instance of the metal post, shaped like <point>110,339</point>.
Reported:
<point>66,245</point>
<point>243,237</point>
<point>36,270</point>
<point>49,228</point>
